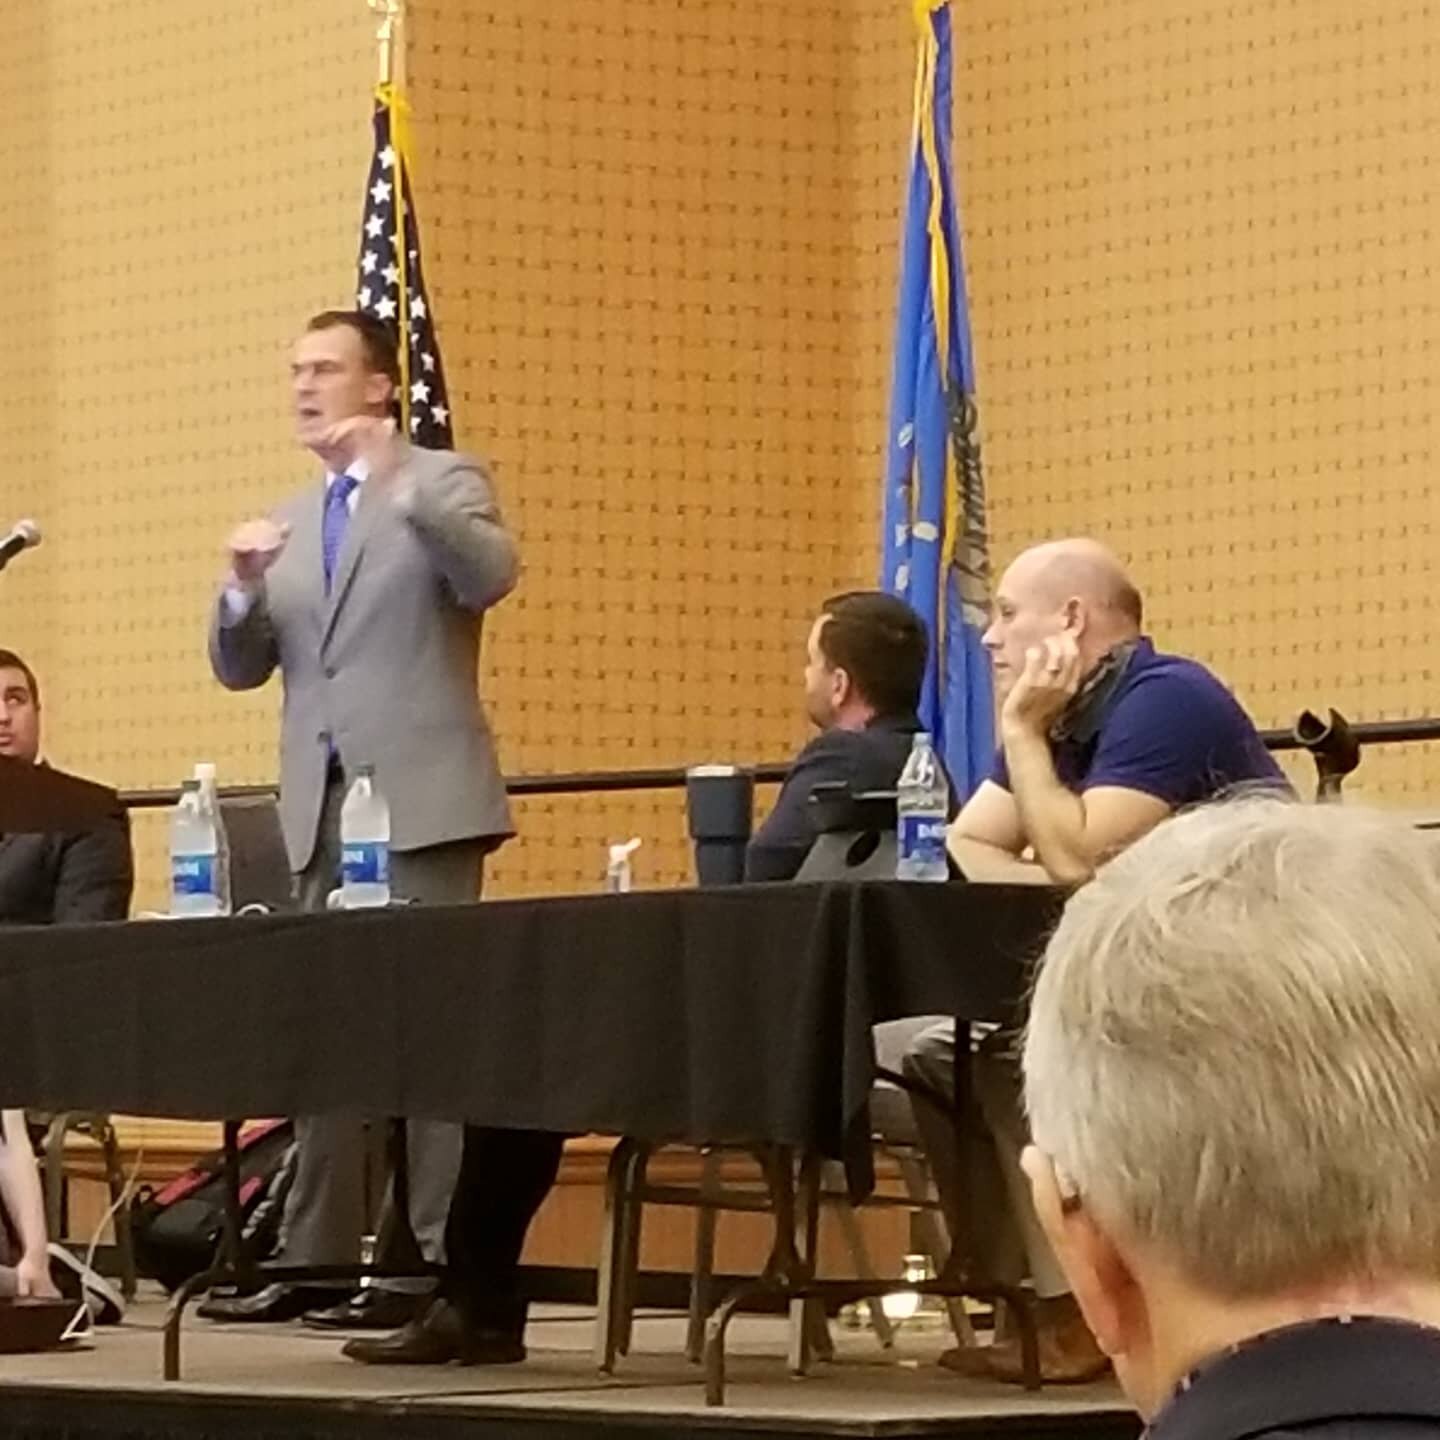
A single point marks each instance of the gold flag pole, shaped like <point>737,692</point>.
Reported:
<point>390,37</point>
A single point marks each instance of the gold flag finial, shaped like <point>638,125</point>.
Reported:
<point>392,18</point>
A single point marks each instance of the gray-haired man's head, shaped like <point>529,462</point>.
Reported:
<point>1232,1070</point>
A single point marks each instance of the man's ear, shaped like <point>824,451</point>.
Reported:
<point>381,390</point>
<point>842,687</point>
<point>1099,1276</point>
<point>1075,618</point>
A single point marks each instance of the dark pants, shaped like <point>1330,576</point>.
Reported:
<point>504,1177</point>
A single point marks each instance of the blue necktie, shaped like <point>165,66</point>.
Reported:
<point>337,517</point>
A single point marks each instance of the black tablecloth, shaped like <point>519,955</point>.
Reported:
<point>737,1015</point>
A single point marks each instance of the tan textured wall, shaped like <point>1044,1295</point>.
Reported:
<point>637,221</point>
<point>661,245</point>
<point>637,241</point>
<point>192,173</point>
<point>1201,244</point>
<point>882,71</point>
<point>27,441</point>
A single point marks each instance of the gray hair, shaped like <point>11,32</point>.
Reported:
<point>1233,1052</point>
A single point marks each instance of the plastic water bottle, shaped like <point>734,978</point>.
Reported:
<point>194,853</point>
<point>364,844</point>
<point>922,808</point>
<point>210,799</point>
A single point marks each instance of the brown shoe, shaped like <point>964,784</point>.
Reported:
<point>966,1360</point>
<point>1068,1352</point>
<point>970,1360</point>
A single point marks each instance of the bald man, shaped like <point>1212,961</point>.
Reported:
<point>1102,736</point>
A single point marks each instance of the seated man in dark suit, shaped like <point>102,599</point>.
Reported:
<point>56,878</point>
<point>866,660</point>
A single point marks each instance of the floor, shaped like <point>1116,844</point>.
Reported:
<point>863,1387</point>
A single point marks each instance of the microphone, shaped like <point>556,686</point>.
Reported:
<point>22,536</point>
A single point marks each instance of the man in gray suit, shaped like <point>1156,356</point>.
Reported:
<point>367,593</point>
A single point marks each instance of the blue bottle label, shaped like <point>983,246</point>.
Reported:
<point>192,875</point>
<point>365,862</point>
<point>922,838</point>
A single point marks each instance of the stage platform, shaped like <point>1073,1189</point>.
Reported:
<point>287,1383</point>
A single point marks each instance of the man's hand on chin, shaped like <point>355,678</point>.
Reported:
<point>1046,685</point>
<point>1051,818</point>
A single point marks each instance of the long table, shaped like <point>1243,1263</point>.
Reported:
<point>718,1016</point>
<point>724,1015</point>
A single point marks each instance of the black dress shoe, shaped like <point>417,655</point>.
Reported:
<point>438,1338</point>
<point>272,1305</point>
<point>370,1309</point>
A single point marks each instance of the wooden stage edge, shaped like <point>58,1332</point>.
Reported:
<point>287,1383</point>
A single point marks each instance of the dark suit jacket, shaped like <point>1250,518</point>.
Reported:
<point>60,878</point>
<point>869,759</point>
<point>1357,1378</point>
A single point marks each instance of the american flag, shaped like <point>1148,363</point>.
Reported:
<point>392,287</point>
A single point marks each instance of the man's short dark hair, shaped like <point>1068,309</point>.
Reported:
<point>9,660</point>
<point>881,643</point>
<point>376,338</point>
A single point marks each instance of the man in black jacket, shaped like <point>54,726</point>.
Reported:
<point>864,666</point>
<point>55,878</point>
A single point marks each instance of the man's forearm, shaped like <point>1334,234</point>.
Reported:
<point>1052,816</point>
<point>243,653</point>
<point>983,863</point>
<point>20,1185</point>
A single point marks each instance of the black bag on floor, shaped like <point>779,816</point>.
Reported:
<point>178,1228</point>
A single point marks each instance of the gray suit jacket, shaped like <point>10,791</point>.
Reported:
<point>387,666</point>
